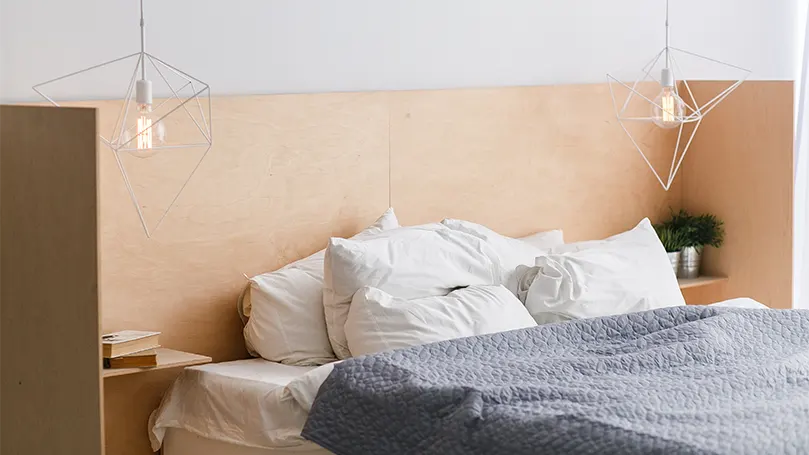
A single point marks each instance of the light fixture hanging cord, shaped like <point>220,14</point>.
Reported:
<point>667,34</point>
<point>142,42</point>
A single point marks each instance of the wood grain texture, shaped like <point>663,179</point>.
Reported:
<point>51,350</point>
<point>128,402</point>
<point>285,174</point>
<point>690,283</point>
<point>288,171</point>
<point>740,168</point>
<point>166,358</point>
<point>523,159</point>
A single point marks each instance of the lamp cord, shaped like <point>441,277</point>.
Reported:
<point>668,60</point>
<point>142,42</point>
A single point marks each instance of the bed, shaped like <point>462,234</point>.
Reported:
<point>234,408</point>
<point>679,380</point>
<point>183,442</point>
<point>257,407</point>
<point>451,339</point>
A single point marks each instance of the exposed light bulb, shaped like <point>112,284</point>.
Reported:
<point>149,131</point>
<point>668,107</point>
<point>144,127</point>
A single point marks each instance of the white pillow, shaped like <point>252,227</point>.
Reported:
<point>378,322</point>
<point>512,252</point>
<point>286,322</point>
<point>546,239</point>
<point>410,263</point>
<point>625,273</point>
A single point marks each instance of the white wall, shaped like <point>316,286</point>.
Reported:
<point>270,46</point>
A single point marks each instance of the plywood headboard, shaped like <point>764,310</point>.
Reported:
<point>523,159</point>
<point>288,171</point>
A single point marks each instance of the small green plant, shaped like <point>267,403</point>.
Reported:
<point>679,220</point>
<point>697,230</point>
<point>707,229</point>
<point>672,239</point>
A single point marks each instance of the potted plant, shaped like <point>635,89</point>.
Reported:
<point>672,241</point>
<point>697,232</point>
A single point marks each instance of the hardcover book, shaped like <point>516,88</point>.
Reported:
<point>127,342</point>
<point>142,359</point>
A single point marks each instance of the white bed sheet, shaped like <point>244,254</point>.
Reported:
<point>182,442</point>
<point>250,404</point>
<point>242,403</point>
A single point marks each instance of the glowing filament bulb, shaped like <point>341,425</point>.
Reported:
<point>149,132</point>
<point>668,107</point>
<point>144,129</point>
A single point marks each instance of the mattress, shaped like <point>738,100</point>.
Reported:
<point>240,403</point>
<point>182,442</point>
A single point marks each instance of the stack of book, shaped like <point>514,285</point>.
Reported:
<point>130,349</point>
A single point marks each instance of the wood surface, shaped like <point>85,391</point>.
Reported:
<point>690,283</point>
<point>741,169</point>
<point>288,171</point>
<point>51,349</point>
<point>166,358</point>
<point>524,159</point>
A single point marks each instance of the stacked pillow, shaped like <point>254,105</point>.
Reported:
<point>511,253</point>
<point>286,321</point>
<point>391,287</point>
<point>378,321</point>
<point>410,263</point>
<point>417,262</point>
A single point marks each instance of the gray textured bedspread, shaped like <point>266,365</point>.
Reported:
<point>686,380</point>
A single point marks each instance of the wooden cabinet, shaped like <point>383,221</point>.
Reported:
<point>49,334</point>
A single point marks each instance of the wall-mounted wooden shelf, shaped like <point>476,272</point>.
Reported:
<point>166,358</point>
<point>687,283</point>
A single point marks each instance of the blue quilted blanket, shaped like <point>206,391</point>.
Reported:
<point>685,380</point>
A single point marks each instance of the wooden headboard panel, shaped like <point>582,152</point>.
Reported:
<point>288,171</point>
<point>523,159</point>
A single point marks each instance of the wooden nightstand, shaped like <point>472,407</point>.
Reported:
<point>703,290</point>
<point>166,358</point>
<point>688,283</point>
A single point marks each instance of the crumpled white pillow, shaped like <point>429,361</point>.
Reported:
<point>287,323</point>
<point>511,252</point>
<point>378,321</point>
<point>410,263</point>
<point>625,273</point>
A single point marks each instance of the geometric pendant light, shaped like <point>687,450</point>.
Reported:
<point>668,109</point>
<point>147,127</point>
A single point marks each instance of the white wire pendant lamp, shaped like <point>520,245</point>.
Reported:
<point>669,109</point>
<point>141,129</point>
